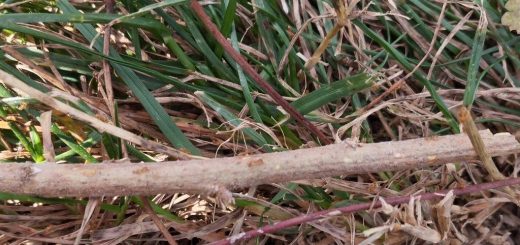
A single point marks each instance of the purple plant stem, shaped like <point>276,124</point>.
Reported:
<point>363,206</point>
<point>248,69</point>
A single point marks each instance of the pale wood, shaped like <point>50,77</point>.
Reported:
<point>196,176</point>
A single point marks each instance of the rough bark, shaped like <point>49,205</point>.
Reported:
<point>243,171</point>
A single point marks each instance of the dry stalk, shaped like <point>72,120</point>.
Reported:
<point>470,128</point>
<point>342,15</point>
<point>209,176</point>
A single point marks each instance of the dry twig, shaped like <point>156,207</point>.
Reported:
<point>211,175</point>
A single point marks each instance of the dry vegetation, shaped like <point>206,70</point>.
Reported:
<point>104,83</point>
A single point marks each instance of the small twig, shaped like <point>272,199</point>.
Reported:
<point>470,128</point>
<point>206,176</point>
<point>35,68</point>
<point>363,206</point>
<point>87,216</point>
<point>249,70</point>
<point>379,98</point>
<point>109,5</point>
<point>342,15</point>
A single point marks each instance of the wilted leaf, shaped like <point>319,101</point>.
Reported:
<point>442,214</point>
<point>421,232</point>
<point>512,17</point>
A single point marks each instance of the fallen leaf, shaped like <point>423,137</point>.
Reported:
<point>511,18</point>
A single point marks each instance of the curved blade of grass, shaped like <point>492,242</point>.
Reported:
<point>121,215</point>
<point>38,158</point>
<point>280,196</point>
<point>266,34</point>
<point>176,49</point>
<point>246,91</point>
<point>137,153</point>
<point>474,64</point>
<point>36,141</point>
<point>15,72</point>
<point>62,62</point>
<point>72,144</point>
<point>137,65</point>
<point>317,195</point>
<point>328,93</point>
<point>150,24</point>
<point>76,148</point>
<point>92,139</point>
<point>148,8</point>
<point>111,145</point>
<point>76,17</point>
<point>432,10</point>
<point>168,19</point>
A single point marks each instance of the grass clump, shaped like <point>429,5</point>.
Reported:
<point>397,67</point>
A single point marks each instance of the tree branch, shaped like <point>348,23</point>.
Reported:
<point>196,176</point>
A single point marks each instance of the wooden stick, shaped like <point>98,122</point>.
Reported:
<point>196,176</point>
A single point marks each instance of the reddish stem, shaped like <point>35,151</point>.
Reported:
<point>392,88</point>
<point>249,70</point>
<point>363,206</point>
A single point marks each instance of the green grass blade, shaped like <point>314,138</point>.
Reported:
<point>474,64</point>
<point>25,142</point>
<point>204,48</point>
<point>328,93</point>
<point>73,145</point>
<point>228,25</point>
<point>246,91</point>
<point>157,113</point>
<point>92,139</point>
<point>148,8</point>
